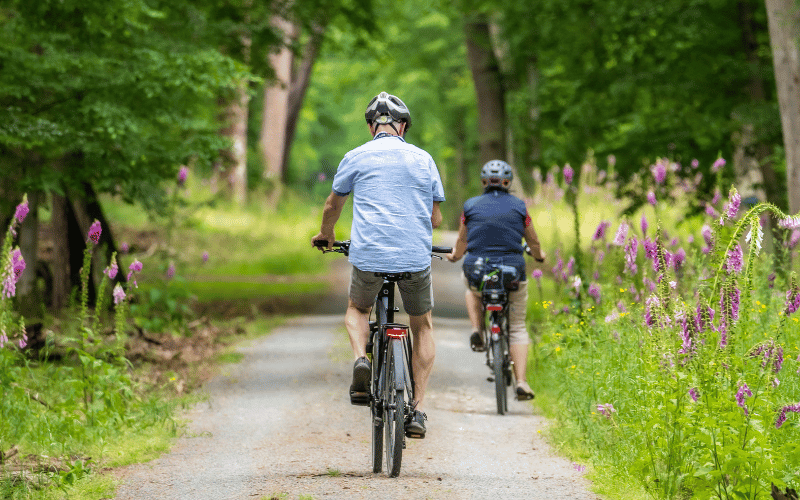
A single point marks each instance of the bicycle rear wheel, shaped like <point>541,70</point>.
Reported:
<point>394,411</point>
<point>376,407</point>
<point>498,355</point>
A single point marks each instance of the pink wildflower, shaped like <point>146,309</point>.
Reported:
<point>622,233</point>
<point>135,267</point>
<point>569,173</point>
<point>594,291</point>
<point>644,224</point>
<point>124,248</point>
<point>732,207</point>
<point>119,294</point>
<point>606,409</point>
<point>789,223</point>
<point>651,198</point>
<point>694,394</point>
<point>718,164</point>
<point>22,210</point>
<point>659,172</point>
<point>205,257</point>
<point>183,173</point>
<point>600,232</point>
<point>171,270</point>
<point>536,274</point>
<point>111,271</point>
<point>795,408</point>
<point>740,395</point>
<point>695,163</point>
<point>94,232</point>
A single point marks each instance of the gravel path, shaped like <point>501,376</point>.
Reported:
<point>279,425</point>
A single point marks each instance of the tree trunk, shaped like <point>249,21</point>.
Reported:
<point>28,297</point>
<point>490,93</point>
<point>239,116</point>
<point>784,31</point>
<point>297,92</point>
<point>61,264</point>
<point>272,139</point>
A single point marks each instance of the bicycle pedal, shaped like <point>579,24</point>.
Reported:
<point>359,398</point>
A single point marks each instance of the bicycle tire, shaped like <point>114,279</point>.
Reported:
<point>394,411</point>
<point>377,412</point>
<point>499,376</point>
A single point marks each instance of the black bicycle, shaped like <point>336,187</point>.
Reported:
<point>391,393</point>
<point>497,280</point>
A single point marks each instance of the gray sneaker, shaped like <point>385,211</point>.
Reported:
<point>415,427</point>
<point>359,389</point>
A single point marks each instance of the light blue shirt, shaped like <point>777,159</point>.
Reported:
<point>394,185</point>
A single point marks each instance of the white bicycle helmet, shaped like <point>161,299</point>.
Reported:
<point>497,171</point>
<point>386,109</point>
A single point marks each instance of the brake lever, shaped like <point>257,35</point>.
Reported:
<point>437,256</point>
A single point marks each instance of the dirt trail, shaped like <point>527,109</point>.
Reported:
<point>279,424</point>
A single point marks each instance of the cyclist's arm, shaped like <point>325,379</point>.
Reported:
<point>436,215</point>
<point>533,242</point>
<point>460,247</point>
<point>330,214</point>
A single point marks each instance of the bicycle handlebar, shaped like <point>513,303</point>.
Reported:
<point>346,245</point>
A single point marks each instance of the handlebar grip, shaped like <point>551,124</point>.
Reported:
<point>438,249</point>
<point>324,243</point>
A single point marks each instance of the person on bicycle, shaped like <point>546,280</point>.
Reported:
<point>492,227</point>
<point>396,194</point>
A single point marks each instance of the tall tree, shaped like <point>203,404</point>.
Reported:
<point>115,97</point>
<point>784,31</point>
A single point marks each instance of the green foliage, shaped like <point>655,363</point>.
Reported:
<point>688,400</point>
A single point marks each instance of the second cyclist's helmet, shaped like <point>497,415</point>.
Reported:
<point>390,106</point>
<point>497,171</point>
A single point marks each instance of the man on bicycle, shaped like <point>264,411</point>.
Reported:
<point>396,194</point>
<point>492,227</point>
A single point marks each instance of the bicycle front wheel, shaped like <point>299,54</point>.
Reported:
<point>498,355</point>
<point>394,411</point>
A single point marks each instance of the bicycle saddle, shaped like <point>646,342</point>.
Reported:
<point>394,277</point>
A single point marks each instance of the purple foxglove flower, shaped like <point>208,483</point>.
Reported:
<point>740,395</point>
<point>621,306</point>
<point>650,248</point>
<point>22,210</point>
<point>135,267</point>
<point>792,301</point>
<point>622,234</point>
<point>690,239</point>
<point>735,259</point>
<point>111,271</point>
<point>651,198</point>
<point>536,274</point>
<point>17,263</point>
<point>789,223</point>
<point>674,242</point>
<point>694,394</point>
<point>717,196</point>
<point>119,294</point>
<point>695,163</point>
<point>631,251</point>
<point>594,291</point>
<point>171,271</point>
<point>644,225</point>
<point>606,409</point>
<point>718,164</point>
<point>659,171</point>
<point>124,248</point>
<point>578,467</point>
<point>707,233</point>
<point>600,232</point>
<point>793,239</point>
<point>771,280</point>
<point>710,211</point>
<point>732,208</point>
<point>795,408</point>
<point>678,259</point>
<point>183,173</point>
<point>205,257</point>
<point>94,232</point>
<point>569,173</point>
<point>570,266</point>
<point>778,364</point>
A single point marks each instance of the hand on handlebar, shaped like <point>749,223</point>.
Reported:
<point>320,241</point>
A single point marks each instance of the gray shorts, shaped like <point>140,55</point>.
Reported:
<point>416,291</point>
